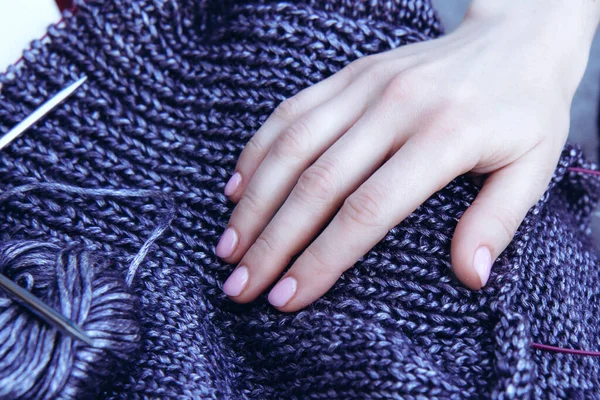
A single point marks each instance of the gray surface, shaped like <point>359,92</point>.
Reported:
<point>585,104</point>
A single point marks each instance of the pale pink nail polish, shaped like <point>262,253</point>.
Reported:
<point>482,262</point>
<point>227,243</point>
<point>233,184</point>
<point>236,282</point>
<point>283,292</point>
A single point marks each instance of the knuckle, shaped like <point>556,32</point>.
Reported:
<point>373,76</point>
<point>251,202</point>
<point>507,220</point>
<point>254,146</point>
<point>403,86</point>
<point>293,142</point>
<point>450,144</point>
<point>269,245</point>
<point>318,265</point>
<point>358,66</point>
<point>365,207</point>
<point>318,182</point>
<point>446,116</point>
<point>376,77</point>
<point>289,109</point>
<point>452,121</point>
<point>266,244</point>
<point>509,223</point>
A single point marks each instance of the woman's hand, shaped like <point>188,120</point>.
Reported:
<point>369,144</point>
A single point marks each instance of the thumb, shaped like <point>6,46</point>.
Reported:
<point>489,224</point>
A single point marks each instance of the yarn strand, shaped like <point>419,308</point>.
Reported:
<point>162,226</point>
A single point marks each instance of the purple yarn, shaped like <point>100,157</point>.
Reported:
<point>38,362</point>
<point>175,90</point>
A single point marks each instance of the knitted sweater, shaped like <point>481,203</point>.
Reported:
<point>143,150</point>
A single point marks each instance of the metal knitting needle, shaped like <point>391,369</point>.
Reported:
<point>43,311</point>
<point>24,297</point>
<point>40,112</point>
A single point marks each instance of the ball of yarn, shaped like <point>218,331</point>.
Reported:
<point>39,362</point>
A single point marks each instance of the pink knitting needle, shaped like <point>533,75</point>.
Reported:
<point>587,171</point>
<point>562,349</point>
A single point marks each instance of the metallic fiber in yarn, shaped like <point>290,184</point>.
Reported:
<point>175,89</point>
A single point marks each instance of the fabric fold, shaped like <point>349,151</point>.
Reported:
<point>175,90</point>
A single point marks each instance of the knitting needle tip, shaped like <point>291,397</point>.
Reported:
<point>40,112</point>
<point>43,311</point>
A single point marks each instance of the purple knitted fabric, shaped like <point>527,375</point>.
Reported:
<point>175,90</point>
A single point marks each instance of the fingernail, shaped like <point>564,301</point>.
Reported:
<point>227,243</point>
<point>283,292</point>
<point>482,262</point>
<point>235,283</point>
<point>233,184</point>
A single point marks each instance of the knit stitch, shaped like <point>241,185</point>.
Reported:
<point>175,90</point>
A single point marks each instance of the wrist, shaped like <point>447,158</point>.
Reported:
<point>573,17</point>
<point>560,31</point>
<point>570,21</point>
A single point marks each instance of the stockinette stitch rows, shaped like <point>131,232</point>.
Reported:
<point>175,90</point>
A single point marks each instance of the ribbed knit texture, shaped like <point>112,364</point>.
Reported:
<point>175,90</point>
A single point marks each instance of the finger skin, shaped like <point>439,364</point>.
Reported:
<point>298,146</point>
<point>286,113</point>
<point>420,168</point>
<point>317,196</point>
<point>496,213</point>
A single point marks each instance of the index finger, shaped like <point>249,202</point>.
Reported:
<point>287,112</point>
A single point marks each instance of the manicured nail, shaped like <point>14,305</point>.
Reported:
<point>227,243</point>
<point>233,184</point>
<point>236,282</point>
<point>283,292</point>
<point>482,262</point>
